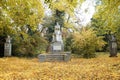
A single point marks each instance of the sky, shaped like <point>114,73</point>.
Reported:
<point>85,12</point>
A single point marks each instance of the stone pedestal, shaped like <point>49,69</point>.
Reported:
<point>7,49</point>
<point>56,54</point>
<point>53,57</point>
<point>113,49</point>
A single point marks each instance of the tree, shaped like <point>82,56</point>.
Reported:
<point>20,19</point>
<point>15,14</point>
<point>107,18</point>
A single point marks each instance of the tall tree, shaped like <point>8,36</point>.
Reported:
<point>15,14</point>
<point>107,16</point>
<point>20,19</point>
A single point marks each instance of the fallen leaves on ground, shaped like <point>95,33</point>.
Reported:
<point>100,68</point>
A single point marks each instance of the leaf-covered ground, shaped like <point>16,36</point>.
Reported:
<point>100,68</point>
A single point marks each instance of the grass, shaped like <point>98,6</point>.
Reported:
<point>100,68</point>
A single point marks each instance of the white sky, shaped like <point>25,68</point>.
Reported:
<point>85,12</point>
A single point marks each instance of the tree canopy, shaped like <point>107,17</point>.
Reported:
<point>107,16</point>
<point>15,14</point>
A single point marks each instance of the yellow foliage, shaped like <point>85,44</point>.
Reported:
<point>108,11</point>
<point>87,37</point>
<point>87,42</point>
<point>64,5</point>
<point>100,68</point>
<point>19,13</point>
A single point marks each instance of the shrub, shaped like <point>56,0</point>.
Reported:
<point>86,43</point>
<point>29,45</point>
<point>118,39</point>
<point>68,42</point>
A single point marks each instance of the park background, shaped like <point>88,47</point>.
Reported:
<point>85,25</point>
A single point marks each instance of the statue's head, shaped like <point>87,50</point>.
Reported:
<point>8,36</point>
<point>57,27</point>
<point>8,39</point>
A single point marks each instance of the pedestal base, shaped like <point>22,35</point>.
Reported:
<point>54,57</point>
<point>7,49</point>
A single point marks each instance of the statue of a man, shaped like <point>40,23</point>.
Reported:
<point>112,45</point>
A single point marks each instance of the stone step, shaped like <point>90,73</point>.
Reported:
<point>53,57</point>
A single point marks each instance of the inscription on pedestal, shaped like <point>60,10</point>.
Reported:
<point>57,48</point>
